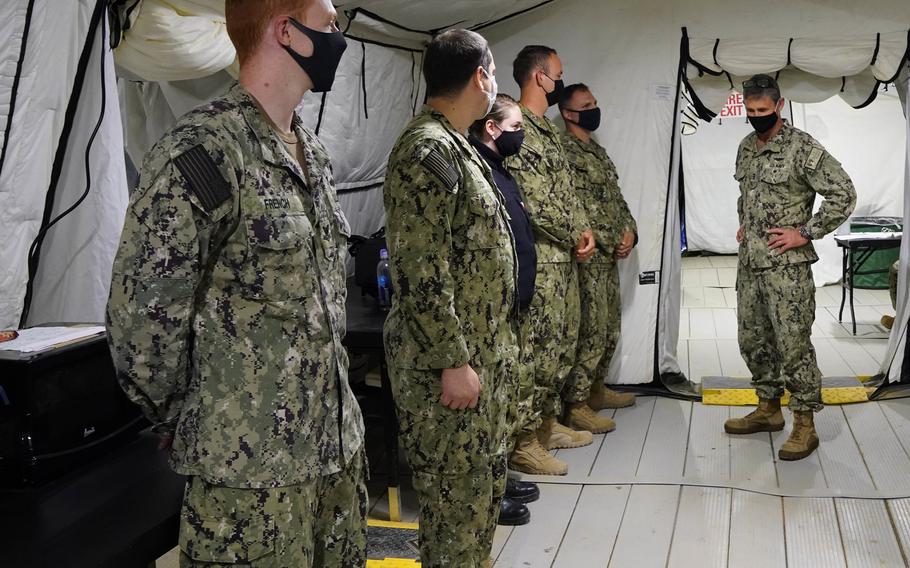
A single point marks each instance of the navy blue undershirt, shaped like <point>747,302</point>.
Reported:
<point>519,221</point>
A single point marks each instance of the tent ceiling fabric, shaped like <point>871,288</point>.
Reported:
<point>808,70</point>
<point>175,40</point>
<point>430,15</point>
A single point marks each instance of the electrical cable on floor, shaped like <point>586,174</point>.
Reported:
<point>818,493</point>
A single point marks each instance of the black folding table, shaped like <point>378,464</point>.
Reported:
<point>857,249</point>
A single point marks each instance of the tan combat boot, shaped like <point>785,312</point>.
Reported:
<point>562,437</point>
<point>544,431</point>
<point>602,397</point>
<point>766,418</point>
<point>530,457</point>
<point>580,416</point>
<point>803,439</point>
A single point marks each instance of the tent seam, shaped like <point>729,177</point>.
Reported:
<point>510,16</point>
<point>16,78</point>
<point>878,44</point>
<point>352,15</point>
<point>680,74</point>
<point>363,79</point>
<point>98,13</point>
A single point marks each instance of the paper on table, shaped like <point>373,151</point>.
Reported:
<point>869,236</point>
<point>40,338</point>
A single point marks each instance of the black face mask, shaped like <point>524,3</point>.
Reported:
<point>555,95</point>
<point>327,50</point>
<point>588,119</point>
<point>509,142</point>
<point>764,123</point>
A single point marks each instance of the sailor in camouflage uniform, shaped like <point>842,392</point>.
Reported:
<point>449,337</point>
<point>563,238</point>
<point>780,170</point>
<point>226,312</point>
<point>596,182</point>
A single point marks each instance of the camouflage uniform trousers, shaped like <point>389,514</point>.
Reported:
<point>522,416</point>
<point>598,333</point>
<point>458,463</point>
<point>318,523</point>
<point>892,282</point>
<point>555,317</point>
<point>776,310</point>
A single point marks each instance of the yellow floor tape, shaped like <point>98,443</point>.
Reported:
<point>392,524</point>
<point>392,562</point>
<point>747,396</point>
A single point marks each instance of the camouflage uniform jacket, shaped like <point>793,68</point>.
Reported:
<point>597,184</point>
<point>454,269</point>
<point>226,311</point>
<point>542,172</point>
<point>777,189</point>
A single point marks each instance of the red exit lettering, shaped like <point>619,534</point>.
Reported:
<point>734,106</point>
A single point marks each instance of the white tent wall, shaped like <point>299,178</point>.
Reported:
<point>628,54</point>
<point>377,90</point>
<point>74,275</point>
<point>711,192</point>
<point>709,156</point>
<point>19,214</point>
<point>625,51</point>
<point>895,361</point>
<point>77,256</point>
<point>871,145</point>
<point>869,142</point>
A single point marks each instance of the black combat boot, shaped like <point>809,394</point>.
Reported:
<point>522,491</point>
<point>512,513</point>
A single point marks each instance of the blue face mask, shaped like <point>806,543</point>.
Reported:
<point>328,48</point>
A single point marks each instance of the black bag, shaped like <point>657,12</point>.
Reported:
<point>365,251</point>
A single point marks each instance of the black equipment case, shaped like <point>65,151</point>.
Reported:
<point>59,409</point>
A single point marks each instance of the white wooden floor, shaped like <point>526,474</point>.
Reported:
<point>707,327</point>
<point>670,488</point>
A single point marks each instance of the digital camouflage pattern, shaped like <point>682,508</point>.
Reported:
<point>452,256</point>
<point>778,185</point>
<point>597,184</point>
<point>776,310</point>
<point>315,523</point>
<point>523,415</point>
<point>542,172</point>
<point>558,219</point>
<point>458,463</point>
<point>454,275</point>
<point>237,347</point>
<point>555,315</point>
<point>598,334</point>
<point>776,293</point>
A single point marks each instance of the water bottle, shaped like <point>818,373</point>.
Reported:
<point>384,281</point>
